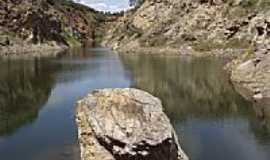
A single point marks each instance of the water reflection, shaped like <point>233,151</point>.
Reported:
<point>260,124</point>
<point>24,88</point>
<point>37,100</point>
<point>188,87</point>
<point>213,121</point>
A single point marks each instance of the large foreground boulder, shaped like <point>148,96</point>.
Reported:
<point>125,124</point>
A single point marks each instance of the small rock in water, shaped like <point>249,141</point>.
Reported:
<point>125,124</point>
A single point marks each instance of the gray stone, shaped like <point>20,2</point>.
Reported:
<point>125,124</point>
<point>255,78</point>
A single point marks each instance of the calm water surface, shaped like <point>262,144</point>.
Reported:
<point>213,122</point>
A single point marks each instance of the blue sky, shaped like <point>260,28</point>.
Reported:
<point>106,5</point>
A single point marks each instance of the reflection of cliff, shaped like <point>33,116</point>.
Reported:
<point>24,87</point>
<point>196,88</point>
<point>260,125</point>
<point>186,86</point>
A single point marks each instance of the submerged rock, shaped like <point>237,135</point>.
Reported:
<point>125,124</point>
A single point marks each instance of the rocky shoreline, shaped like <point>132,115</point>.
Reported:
<point>31,51</point>
<point>250,76</point>
<point>254,76</point>
<point>121,124</point>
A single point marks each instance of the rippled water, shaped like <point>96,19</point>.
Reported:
<point>213,122</point>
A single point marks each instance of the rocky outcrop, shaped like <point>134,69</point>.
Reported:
<point>252,72</point>
<point>199,27</point>
<point>254,76</point>
<point>35,25</point>
<point>125,124</point>
<point>216,27</point>
<point>239,29</point>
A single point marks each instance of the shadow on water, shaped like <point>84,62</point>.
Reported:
<point>213,121</point>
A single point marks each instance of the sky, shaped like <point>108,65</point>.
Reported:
<point>106,5</point>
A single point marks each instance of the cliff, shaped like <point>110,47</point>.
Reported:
<point>201,26</point>
<point>42,25</point>
<point>239,29</point>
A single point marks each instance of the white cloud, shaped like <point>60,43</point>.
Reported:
<point>106,5</point>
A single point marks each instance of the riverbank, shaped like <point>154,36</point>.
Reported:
<point>31,51</point>
<point>254,76</point>
<point>248,72</point>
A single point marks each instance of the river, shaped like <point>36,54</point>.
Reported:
<point>37,99</point>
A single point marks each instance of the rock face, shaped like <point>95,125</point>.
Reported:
<point>254,75</point>
<point>239,29</point>
<point>125,124</point>
<point>25,25</point>
<point>200,26</point>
